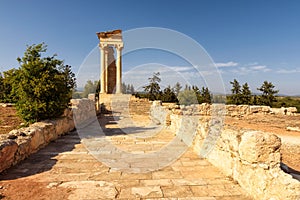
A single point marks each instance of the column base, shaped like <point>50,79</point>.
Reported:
<point>106,100</point>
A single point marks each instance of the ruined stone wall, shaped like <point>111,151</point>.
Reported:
<point>232,110</point>
<point>252,158</point>
<point>19,144</point>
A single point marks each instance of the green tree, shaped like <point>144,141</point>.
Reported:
<point>246,95</point>
<point>127,88</point>
<point>44,85</point>
<point>177,88</point>
<point>206,95</point>
<point>169,95</point>
<point>254,100</point>
<point>197,93</point>
<point>187,97</point>
<point>124,88</point>
<point>1,88</point>
<point>268,93</point>
<point>6,93</point>
<point>153,89</point>
<point>235,97</point>
<point>131,89</point>
<point>90,87</point>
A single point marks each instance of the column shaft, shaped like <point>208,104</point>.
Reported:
<point>103,71</point>
<point>106,70</point>
<point>119,72</point>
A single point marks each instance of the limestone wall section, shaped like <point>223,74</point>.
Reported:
<point>232,110</point>
<point>252,158</point>
<point>19,144</point>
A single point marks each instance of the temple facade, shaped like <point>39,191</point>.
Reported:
<point>111,66</point>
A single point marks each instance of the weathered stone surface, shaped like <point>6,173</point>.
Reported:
<point>252,158</point>
<point>37,138</point>
<point>148,191</point>
<point>289,128</point>
<point>8,149</point>
<point>26,141</point>
<point>260,147</point>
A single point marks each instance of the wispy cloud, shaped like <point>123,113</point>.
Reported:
<point>227,64</point>
<point>261,68</point>
<point>181,68</point>
<point>247,69</point>
<point>288,71</point>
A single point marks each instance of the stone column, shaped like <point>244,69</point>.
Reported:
<point>103,70</point>
<point>119,70</point>
<point>106,69</point>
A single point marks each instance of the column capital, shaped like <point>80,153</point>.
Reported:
<point>103,46</point>
<point>119,46</point>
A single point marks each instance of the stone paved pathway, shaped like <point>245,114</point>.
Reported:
<point>65,169</point>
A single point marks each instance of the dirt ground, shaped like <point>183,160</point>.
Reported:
<point>8,119</point>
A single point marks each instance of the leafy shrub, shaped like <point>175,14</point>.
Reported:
<point>43,85</point>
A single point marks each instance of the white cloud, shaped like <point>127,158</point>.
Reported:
<point>250,69</point>
<point>181,68</point>
<point>262,68</point>
<point>288,71</point>
<point>227,64</point>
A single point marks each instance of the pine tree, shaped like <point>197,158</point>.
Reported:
<point>206,95</point>
<point>168,95</point>
<point>153,89</point>
<point>177,88</point>
<point>268,93</point>
<point>235,97</point>
<point>246,95</point>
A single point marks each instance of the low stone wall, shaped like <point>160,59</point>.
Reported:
<point>232,110</point>
<point>19,144</point>
<point>252,158</point>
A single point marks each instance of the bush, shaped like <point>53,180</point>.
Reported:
<point>287,102</point>
<point>43,86</point>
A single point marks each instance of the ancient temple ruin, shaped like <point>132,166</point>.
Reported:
<point>111,67</point>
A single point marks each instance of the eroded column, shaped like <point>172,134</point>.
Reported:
<point>106,69</point>
<point>119,71</point>
<point>103,70</point>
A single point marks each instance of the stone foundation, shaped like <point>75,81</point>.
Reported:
<point>252,158</point>
<point>109,101</point>
<point>19,144</point>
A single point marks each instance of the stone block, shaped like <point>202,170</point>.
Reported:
<point>8,149</point>
<point>37,138</point>
<point>260,147</point>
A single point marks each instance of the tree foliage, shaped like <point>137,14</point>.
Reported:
<point>193,95</point>
<point>1,87</point>
<point>177,88</point>
<point>43,85</point>
<point>235,97</point>
<point>187,97</point>
<point>6,82</point>
<point>90,87</point>
<point>169,95</point>
<point>246,95</point>
<point>268,93</point>
<point>153,88</point>
<point>127,88</point>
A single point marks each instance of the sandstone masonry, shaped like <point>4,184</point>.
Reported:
<point>19,144</point>
<point>252,158</point>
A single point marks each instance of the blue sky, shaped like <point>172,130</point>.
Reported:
<point>251,41</point>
